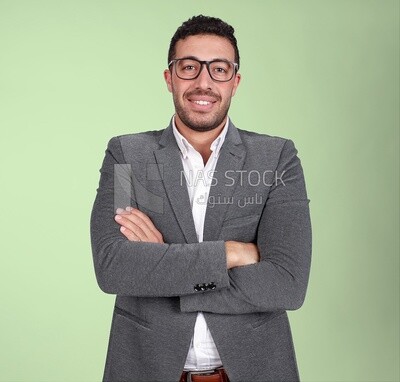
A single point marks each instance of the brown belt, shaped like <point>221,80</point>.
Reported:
<point>217,375</point>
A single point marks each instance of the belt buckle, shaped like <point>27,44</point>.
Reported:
<point>190,373</point>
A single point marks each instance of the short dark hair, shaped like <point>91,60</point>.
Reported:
<point>204,25</point>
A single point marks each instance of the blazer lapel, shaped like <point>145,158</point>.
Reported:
<point>170,165</point>
<point>230,162</point>
<point>226,177</point>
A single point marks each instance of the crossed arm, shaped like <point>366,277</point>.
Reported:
<point>137,226</point>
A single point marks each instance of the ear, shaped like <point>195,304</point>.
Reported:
<point>236,80</point>
<point>168,79</point>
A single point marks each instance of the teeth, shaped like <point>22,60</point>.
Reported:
<point>202,102</point>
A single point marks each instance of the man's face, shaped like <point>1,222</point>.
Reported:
<point>202,104</point>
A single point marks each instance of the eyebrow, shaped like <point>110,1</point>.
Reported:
<point>198,59</point>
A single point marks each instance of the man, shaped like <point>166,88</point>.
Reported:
<point>202,231</point>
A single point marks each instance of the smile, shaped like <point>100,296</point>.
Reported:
<point>202,102</point>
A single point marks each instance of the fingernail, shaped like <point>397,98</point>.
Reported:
<point>117,217</point>
<point>129,208</point>
<point>119,211</point>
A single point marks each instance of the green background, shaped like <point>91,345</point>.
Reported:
<point>75,73</point>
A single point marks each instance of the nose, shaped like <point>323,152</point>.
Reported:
<point>204,81</point>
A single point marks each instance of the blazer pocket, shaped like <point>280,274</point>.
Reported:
<point>266,317</point>
<point>240,221</point>
<point>243,228</point>
<point>131,317</point>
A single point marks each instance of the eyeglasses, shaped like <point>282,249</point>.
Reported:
<point>190,69</point>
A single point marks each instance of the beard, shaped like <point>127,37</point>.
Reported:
<point>199,121</point>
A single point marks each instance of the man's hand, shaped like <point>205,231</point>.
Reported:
<point>239,254</point>
<point>137,226</point>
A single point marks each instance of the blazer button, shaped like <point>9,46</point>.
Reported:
<point>205,286</point>
<point>199,287</point>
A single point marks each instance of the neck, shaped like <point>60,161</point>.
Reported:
<point>200,140</point>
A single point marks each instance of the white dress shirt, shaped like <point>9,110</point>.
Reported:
<point>203,353</point>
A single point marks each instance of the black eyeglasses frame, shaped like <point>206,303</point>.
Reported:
<point>207,64</point>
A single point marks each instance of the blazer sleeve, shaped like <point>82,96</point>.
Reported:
<point>279,280</point>
<point>141,269</point>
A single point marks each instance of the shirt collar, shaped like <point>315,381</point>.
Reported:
<point>185,146</point>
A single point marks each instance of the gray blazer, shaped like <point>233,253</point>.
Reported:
<point>258,195</point>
